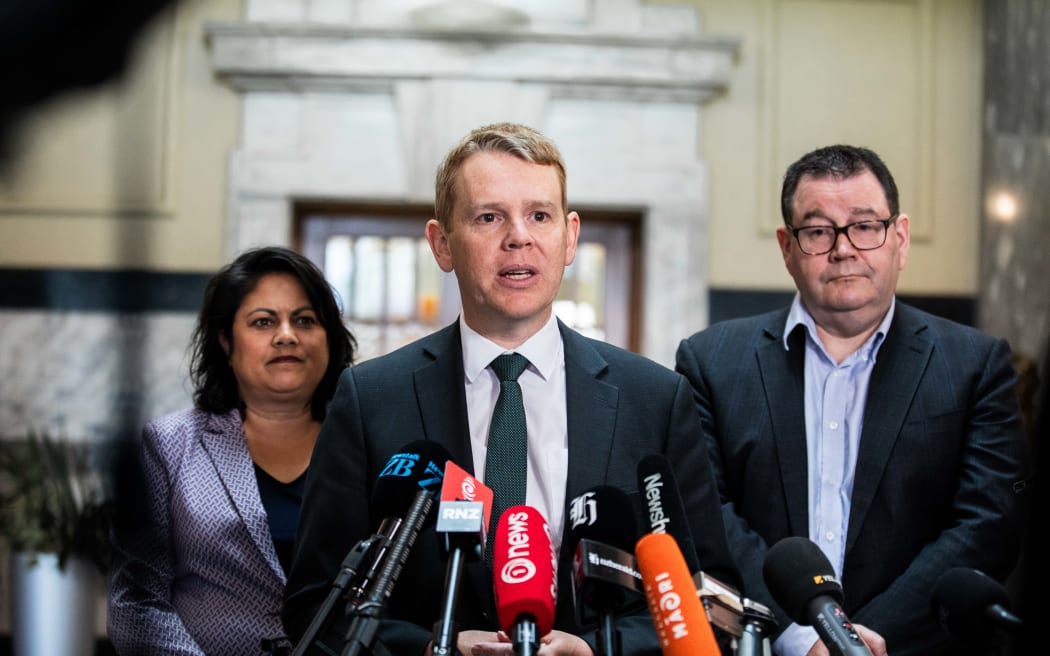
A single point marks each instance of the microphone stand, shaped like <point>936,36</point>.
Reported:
<point>759,624</point>
<point>362,553</point>
<point>361,635</point>
<point>461,522</point>
<point>608,636</point>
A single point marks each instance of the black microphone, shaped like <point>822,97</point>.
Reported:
<point>424,464</point>
<point>462,517</point>
<point>972,606</point>
<point>606,580</point>
<point>802,581</point>
<point>664,512</point>
<point>404,475</point>
<point>664,509</point>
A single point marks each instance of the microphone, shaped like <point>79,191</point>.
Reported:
<point>524,569</point>
<point>744,619</point>
<point>407,472</point>
<point>678,614</point>
<point>462,517</point>
<point>663,504</point>
<point>802,581</point>
<point>423,464</point>
<point>605,576</point>
<point>972,605</point>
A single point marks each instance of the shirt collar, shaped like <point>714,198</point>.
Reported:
<point>543,350</point>
<point>799,315</point>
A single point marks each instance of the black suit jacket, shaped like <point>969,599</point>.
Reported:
<point>941,453</point>
<point>620,407</point>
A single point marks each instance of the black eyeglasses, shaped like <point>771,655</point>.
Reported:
<point>863,235</point>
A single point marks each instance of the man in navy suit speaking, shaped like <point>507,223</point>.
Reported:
<point>889,437</point>
<point>592,410</point>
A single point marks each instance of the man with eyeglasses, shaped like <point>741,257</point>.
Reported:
<point>889,437</point>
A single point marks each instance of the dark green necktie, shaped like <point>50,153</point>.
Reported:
<point>507,455</point>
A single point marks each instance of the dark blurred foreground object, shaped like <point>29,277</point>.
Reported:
<point>51,46</point>
<point>974,607</point>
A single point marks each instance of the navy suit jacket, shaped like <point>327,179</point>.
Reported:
<point>620,407</point>
<point>941,453</point>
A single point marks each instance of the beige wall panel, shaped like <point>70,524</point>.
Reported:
<point>132,175</point>
<point>901,77</point>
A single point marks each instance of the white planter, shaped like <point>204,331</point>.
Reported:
<point>52,610</point>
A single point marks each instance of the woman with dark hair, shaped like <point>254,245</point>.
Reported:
<point>204,571</point>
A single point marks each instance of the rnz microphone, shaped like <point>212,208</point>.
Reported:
<point>972,605</point>
<point>678,614</point>
<point>524,574</point>
<point>802,581</point>
<point>462,518</point>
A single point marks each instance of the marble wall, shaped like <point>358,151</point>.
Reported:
<point>1014,295</point>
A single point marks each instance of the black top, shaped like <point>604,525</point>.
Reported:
<point>282,502</point>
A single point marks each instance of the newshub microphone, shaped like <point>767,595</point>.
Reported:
<point>524,576</point>
<point>405,474</point>
<point>424,464</point>
<point>678,615</point>
<point>972,606</point>
<point>606,581</point>
<point>802,581</point>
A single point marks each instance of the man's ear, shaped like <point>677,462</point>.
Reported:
<point>438,240</point>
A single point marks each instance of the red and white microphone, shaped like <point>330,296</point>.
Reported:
<point>524,574</point>
<point>678,614</point>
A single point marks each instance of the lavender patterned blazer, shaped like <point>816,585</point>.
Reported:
<point>201,575</point>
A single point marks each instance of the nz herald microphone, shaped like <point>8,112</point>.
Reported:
<point>606,581</point>
<point>524,575</point>
<point>973,606</point>
<point>802,581</point>
<point>678,614</point>
<point>423,463</point>
<point>463,514</point>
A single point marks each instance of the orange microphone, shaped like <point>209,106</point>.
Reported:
<point>678,614</point>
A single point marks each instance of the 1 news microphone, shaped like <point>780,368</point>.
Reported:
<point>524,575</point>
<point>678,614</point>
<point>404,475</point>
<point>605,575</point>
<point>426,465</point>
<point>462,517</point>
<point>972,606</point>
<point>802,581</point>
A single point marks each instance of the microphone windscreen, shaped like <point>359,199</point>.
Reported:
<point>524,572</point>
<point>796,571</point>
<point>604,514</point>
<point>419,465</point>
<point>664,510</point>
<point>961,597</point>
<point>678,614</point>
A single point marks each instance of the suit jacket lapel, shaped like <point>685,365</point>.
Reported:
<point>899,365</point>
<point>783,380</point>
<point>591,415</point>
<point>224,442</point>
<point>441,397</point>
